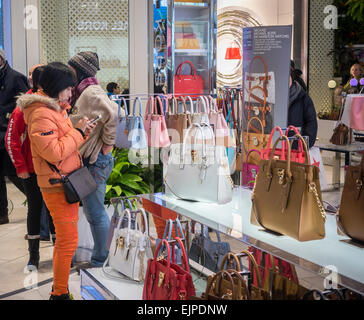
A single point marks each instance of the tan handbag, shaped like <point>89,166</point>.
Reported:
<point>252,140</point>
<point>177,122</point>
<point>350,219</point>
<point>286,198</point>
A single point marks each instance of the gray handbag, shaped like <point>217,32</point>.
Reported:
<point>123,127</point>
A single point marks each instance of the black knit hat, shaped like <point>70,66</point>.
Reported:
<point>87,62</point>
<point>56,77</point>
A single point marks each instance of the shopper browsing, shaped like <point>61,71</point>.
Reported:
<point>92,101</point>
<point>12,83</point>
<point>112,89</point>
<point>55,141</point>
<point>356,72</point>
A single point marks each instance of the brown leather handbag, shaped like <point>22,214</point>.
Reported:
<point>177,123</point>
<point>253,140</point>
<point>350,219</point>
<point>341,135</point>
<point>286,198</point>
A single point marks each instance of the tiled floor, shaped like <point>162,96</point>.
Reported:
<point>14,256</point>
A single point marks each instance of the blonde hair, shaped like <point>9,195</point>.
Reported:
<point>356,65</point>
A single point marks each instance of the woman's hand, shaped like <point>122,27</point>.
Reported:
<point>82,124</point>
<point>89,128</point>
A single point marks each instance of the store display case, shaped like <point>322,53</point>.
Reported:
<point>183,31</point>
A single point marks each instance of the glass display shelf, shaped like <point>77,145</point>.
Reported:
<point>334,256</point>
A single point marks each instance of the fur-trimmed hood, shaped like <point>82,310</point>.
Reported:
<point>26,100</point>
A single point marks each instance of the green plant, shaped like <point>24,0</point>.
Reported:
<point>356,10</point>
<point>129,179</point>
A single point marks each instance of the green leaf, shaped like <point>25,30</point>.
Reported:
<point>120,165</point>
<point>118,190</point>
<point>131,177</point>
<point>132,184</point>
<point>108,188</point>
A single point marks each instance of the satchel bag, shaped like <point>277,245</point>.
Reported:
<point>340,135</point>
<point>350,219</point>
<point>207,252</point>
<point>252,140</point>
<point>177,123</point>
<point>287,198</point>
<point>155,124</point>
<point>192,84</point>
<point>168,281</point>
<point>200,173</point>
<point>130,249</point>
<point>77,185</point>
<point>176,251</point>
<point>250,171</point>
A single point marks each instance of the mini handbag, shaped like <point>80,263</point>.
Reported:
<point>200,173</point>
<point>250,171</point>
<point>155,124</point>
<point>77,185</point>
<point>130,249</point>
<point>207,252</point>
<point>166,280</point>
<point>191,84</point>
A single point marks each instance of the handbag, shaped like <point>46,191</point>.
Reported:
<point>155,124</point>
<point>250,171</point>
<point>191,84</point>
<point>350,219</point>
<point>177,251</point>
<point>340,135</point>
<point>252,140</point>
<point>137,136</point>
<point>177,123</point>
<point>207,252</point>
<point>200,173</point>
<point>218,124</point>
<point>165,280</point>
<point>357,113</point>
<point>123,127</point>
<point>130,249</point>
<point>286,198</point>
<point>77,185</point>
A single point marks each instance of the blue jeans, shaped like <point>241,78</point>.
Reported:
<point>94,209</point>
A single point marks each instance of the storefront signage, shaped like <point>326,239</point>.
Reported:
<point>102,26</point>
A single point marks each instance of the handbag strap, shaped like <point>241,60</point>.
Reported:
<point>119,107</point>
<point>293,128</point>
<point>184,254</point>
<point>204,103</point>
<point>275,129</point>
<point>255,267</point>
<point>227,257</point>
<point>137,99</point>
<point>218,277</point>
<point>126,212</point>
<point>179,69</point>
<point>158,101</point>
<point>192,111</point>
<point>269,170</point>
<point>242,281</point>
<point>260,122</point>
<point>150,104</point>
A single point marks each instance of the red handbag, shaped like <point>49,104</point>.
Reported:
<point>165,280</point>
<point>188,84</point>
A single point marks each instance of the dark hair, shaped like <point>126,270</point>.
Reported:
<point>56,77</point>
<point>36,77</point>
<point>80,74</point>
<point>111,87</point>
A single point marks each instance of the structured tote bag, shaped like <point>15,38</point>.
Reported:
<point>137,136</point>
<point>350,219</point>
<point>287,198</point>
<point>130,249</point>
<point>155,124</point>
<point>191,84</point>
<point>177,123</point>
<point>200,172</point>
<point>123,127</point>
<point>165,280</point>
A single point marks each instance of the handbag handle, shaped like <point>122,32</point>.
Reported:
<point>243,283</point>
<point>213,105</point>
<point>215,278</point>
<point>228,256</point>
<point>277,128</point>
<point>119,109</point>
<point>269,170</point>
<point>183,104</point>
<point>293,128</point>
<point>126,211</point>
<point>251,151</point>
<point>191,104</point>
<point>184,254</point>
<point>158,101</point>
<point>137,99</point>
<point>251,94</point>
<point>165,244</point>
<point>150,104</point>
<point>142,212</point>
<point>203,103</point>
<point>260,122</point>
<point>255,266</point>
<point>172,106</point>
<point>307,154</point>
<point>179,69</point>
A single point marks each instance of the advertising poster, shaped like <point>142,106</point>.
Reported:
<point>266,69</point>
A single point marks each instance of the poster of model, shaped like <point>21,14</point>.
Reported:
<point>266,69</point>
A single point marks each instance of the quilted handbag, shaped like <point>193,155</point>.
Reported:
<point>138,136</point>
<point>250,171</point>
<point>155,124</point>
<point>207,252</point>
<point>192,84</point>
<point>130,249</point>
<point>198,172</point>
<point>177,123</point>
<point>177,252</point>
<point>166,280</point>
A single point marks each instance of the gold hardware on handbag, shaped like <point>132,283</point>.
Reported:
<point>350,219</point>
<point>286,198</point>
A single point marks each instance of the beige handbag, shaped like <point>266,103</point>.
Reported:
<point>252,140</point>
<point>286,198</point>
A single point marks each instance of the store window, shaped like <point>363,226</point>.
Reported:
<point>1,26</point>
<point>71,26</point>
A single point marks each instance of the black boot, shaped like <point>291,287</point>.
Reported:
<point>66,296</point>
<point>33,253</point>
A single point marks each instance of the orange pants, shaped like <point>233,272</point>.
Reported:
<point>65,218</point>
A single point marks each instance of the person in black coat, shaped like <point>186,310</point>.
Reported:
<point>302,112</point>
<point>12,83</point>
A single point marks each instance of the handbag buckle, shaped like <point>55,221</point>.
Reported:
<point>193,156</point>
<point>281,174</point>
<point>161,278</point>
<point>359,184</point>
<point>255,141</point>
<point>121,242</point>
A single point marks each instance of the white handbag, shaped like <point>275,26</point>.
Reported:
<point>199,171</point>
<point>198,116</point>
<point>130,249</point>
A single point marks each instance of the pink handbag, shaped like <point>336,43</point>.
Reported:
<point>357,113</point>
<point>218,123</point>
<point>250,171</point>
<point>155,124</point>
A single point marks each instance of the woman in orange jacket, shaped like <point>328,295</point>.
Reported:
<point>55,141</point>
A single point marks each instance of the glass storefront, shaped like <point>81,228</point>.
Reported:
<point>70,26</point>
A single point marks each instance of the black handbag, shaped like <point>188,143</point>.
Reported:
<point>77,185</point>
<point>207,252</point>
